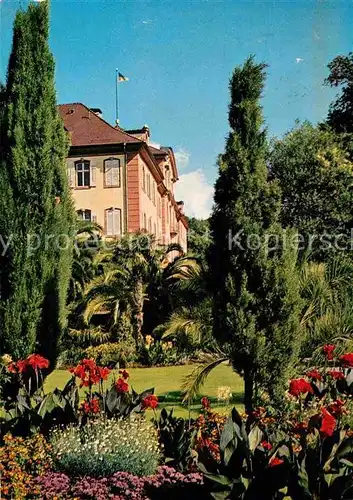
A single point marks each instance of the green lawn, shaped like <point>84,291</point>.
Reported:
<point>167,382</point>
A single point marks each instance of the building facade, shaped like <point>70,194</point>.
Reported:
<point>119,180</point>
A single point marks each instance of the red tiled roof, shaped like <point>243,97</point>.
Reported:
<point>86,128</point>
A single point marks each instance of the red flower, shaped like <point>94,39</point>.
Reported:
<point>275,461</point>
<point>347,359</point>
<point>328,351</point>
<point>37,362</point>
<point>314,375</point>
<point>337,408</point>
<point>124,374</point>
<point>150,401</point>
<point>92,406</point>
<point>104,373</point>
<point>205,402</point>
<point>299,386</point>
<point>336,374</point>
<point>12,367</point>
<point>266,445</point>
<point>121,385</point>
<point>328,423</point>
<point>88,372</point>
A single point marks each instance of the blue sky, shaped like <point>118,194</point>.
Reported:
<point>179,55</point>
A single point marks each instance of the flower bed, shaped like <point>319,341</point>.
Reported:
<point>166,483</point>
<point>104,447</point>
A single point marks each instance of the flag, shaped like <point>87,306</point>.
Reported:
<point>122,78</point>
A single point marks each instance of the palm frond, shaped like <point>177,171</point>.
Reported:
<point>195,323</point>
<point>90,336</point>
<point>194,381</point>
<point>98,305</point>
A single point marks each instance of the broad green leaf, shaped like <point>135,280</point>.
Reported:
<point>255,437</point>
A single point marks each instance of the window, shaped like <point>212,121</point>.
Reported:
<point>83,177</point>
<point>150,225</point>
<point>113,221</point>
<point>144,222</point>
<point>149,186</point>
<point>143,179</point>
<point>153,193</point>
<point>85,214</point>
<point>112,172</point>
<point>155,229</point>
<point>159,207</point>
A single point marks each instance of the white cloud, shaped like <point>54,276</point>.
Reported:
<point>196,193</point>
<point>182,157</point>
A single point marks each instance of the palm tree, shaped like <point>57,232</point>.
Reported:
<point>191,317</point>
<point>134,268</point>
<point>328,312</point>
<point>86,245</point>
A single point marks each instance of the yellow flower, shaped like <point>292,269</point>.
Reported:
<point>6,359</point>
<point>149,339</point>
<point>224,393</point>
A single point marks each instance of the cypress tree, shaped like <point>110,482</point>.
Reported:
<point>252,260</point>
<point>36,210</point>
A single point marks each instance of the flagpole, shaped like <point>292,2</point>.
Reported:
<point>116,97</point>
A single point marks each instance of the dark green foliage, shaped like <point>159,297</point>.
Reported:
<point>199,237</point>
<point>25,414</point>
<point>340,116</point>
<point>316,177</point>
<point>176,437</point>
<point>252,260</point>
<point>36,211</point>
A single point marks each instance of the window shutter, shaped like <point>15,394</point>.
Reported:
<point>108,173</point>
<point>93,217</point>
<point>93,174</point>
<point>116,173</point>
<point>116,222</point>
<point>109,222</point>
<point>71,174</point>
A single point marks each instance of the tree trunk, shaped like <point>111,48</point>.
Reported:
<point>138,315</point>
<point>248,391</point>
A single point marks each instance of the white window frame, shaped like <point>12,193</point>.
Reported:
<point>112,177</point>
<point>113,228</point>
<point>83,172</point>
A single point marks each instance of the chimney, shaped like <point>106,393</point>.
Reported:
<point>181,206</point>
<point>97,111</point>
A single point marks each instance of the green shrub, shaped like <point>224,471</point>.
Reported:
<point>104,447</point>
<point>112,353</point>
